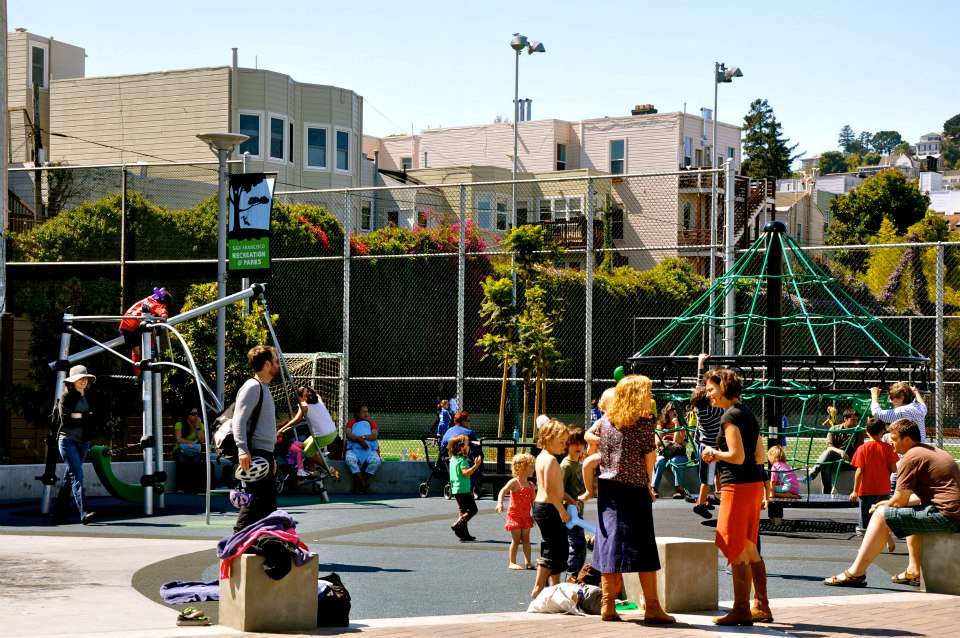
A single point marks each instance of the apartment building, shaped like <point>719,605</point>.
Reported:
<point>307,133</point>
<point>655,210</point>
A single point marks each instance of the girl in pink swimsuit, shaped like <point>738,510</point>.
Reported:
<point>519,518</point>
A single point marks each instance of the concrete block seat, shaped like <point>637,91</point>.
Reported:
<point>688,577</point>
<point>252,601</point>
<point>940,563</point>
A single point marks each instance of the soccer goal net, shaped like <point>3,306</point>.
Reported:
<point>322,371</point>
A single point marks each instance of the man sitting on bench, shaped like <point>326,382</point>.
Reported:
<point>927,501</point>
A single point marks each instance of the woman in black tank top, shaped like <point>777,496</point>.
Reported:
<point>738,453</point>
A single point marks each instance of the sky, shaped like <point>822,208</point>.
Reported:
<point>883,65</point>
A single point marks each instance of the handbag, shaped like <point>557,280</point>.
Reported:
<point>223,439</point>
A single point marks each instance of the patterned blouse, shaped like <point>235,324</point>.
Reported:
<point>622,451</point>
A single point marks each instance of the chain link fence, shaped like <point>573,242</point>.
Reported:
<point>400,297</point>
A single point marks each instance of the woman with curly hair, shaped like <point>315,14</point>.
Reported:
<point>625,537</point>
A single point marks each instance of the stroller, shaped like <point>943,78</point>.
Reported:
<point>287,480</point>
<point>440,468</point>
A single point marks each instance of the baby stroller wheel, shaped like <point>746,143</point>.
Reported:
<point>424,490</point>
<point>281,481</point>
<point>447,494</point>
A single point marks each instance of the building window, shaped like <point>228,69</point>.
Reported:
<point>278,127</point>
<point>616,223</point>
<point>406,163</point>
<point>485,212</point>
<point>366,215</point>
<point>38,64</point>
<point>502,222</point>
<point>698,158</point>
<point>687,151</point>
<point>250,126</point>
<point>290,143</point>
<point>343,150</point>
<point>422,219</point>
<point>561,208</point>
<point>316,147</point>
<point>523,206</point>
<point>393,217</point>
<point>561,157</point>
<point>731,153</point>
<point>686,217</point>
<point>618,157</point>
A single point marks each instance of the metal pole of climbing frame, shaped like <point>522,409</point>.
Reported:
<point>773,405</point>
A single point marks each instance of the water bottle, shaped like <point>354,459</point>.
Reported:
<point>403,453</point>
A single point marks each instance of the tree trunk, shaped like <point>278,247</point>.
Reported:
<point>503,396</point>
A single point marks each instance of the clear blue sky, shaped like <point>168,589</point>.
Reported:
<point>882,65</point>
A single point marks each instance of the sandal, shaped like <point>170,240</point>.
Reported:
<point>903,578</point>
<point>846,579</point>
<point>196,618</point>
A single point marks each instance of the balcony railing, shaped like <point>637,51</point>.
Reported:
<point>573,233</point>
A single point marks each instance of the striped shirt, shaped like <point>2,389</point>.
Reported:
<point>915,411</point>
<point>708,423</point>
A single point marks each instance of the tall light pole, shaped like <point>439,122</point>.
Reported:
<point>222,144</point>
<point>518,44</point>
<point>720,74</point>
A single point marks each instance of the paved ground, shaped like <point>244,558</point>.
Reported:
<point>400,562</point>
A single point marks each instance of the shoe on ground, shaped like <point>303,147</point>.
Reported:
<point>806,479</point>
<point>690,498</point>
<point>679,494</point>
<point>88,518</point>
<point>713,499</point>
<point>468,539</point>
<point>702,510</point>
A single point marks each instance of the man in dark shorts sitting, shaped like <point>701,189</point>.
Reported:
<point>927,501</point>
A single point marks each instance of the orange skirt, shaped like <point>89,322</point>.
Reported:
<point>739,518</point>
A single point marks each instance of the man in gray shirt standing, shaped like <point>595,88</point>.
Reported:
<point>266,366</point>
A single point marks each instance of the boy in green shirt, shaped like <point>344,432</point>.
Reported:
<point>573,486</point>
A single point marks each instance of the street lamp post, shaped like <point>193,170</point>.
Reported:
<point>518,44</point>
<point>720,74</point>
<point>222,144</point>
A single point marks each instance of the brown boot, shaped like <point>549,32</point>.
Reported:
<point>610,586</point>
<point>740,614</point>
<point>761,604</point>
<point>654,614</point>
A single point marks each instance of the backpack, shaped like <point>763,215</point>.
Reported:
<point>333,602</point>
<point>223,439</point>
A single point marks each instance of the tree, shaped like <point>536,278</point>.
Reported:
<point>951,129</point>
<point>766,150</point>
<point>883,142</point>
<point>902,147</point>
<point>857,216</point>
<point>846,138</point>
<point>832,162</point>
<point>872,159</point>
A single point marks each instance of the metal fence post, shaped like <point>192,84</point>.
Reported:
<point>345,368</point>
<point>461,292</point>
<point>123,238</point>
<point>588,309</point>
<point>939,389</point>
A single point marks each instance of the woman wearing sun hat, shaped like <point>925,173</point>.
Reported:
<point>77,420</point>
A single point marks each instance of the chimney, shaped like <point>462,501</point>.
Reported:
<point>643,109</point>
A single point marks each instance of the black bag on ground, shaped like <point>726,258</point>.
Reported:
<point>333,603</point>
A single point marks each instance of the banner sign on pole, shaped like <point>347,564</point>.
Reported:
<point>248,226</point>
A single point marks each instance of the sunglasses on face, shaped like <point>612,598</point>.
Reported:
<point>194,413</point>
